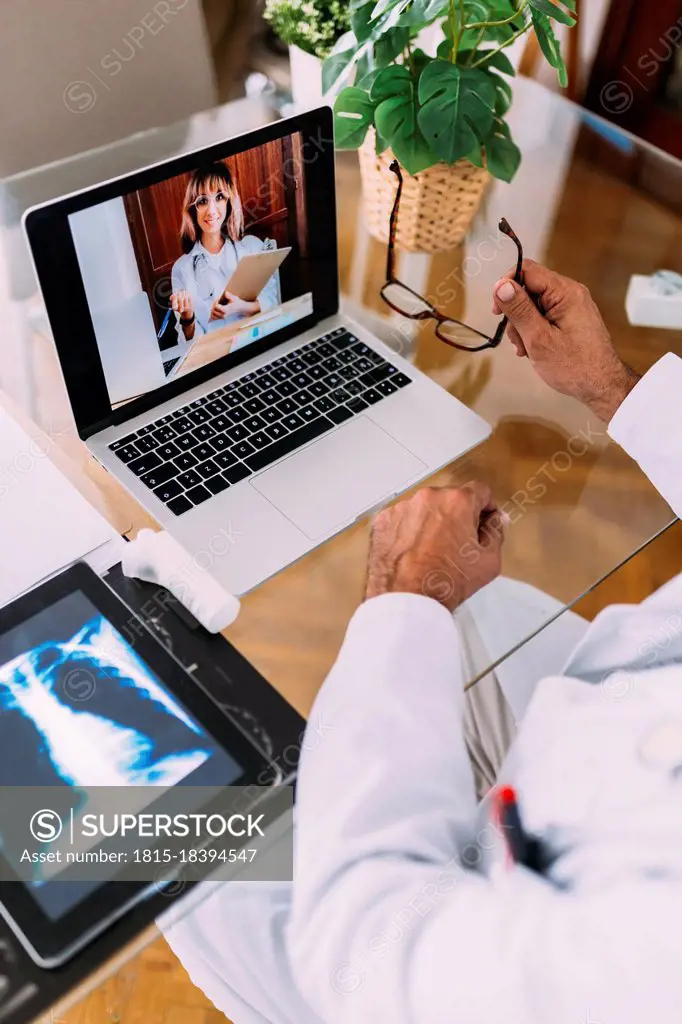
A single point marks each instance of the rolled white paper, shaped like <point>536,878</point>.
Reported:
<point>154,556</point>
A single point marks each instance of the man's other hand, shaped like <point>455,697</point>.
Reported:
<point>443,543</point>
<point>556,323</point>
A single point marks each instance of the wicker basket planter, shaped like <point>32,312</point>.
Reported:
<point>437,206</point>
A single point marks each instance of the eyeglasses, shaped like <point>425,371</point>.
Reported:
<point>201,202</point>
<point>407,302</point>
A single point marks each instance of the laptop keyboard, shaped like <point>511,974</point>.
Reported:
<point>200,450</point>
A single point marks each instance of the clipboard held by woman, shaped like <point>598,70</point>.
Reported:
<point>253,272</point>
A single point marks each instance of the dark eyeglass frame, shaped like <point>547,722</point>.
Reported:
<point>225,198</point>
<point>431,313</point>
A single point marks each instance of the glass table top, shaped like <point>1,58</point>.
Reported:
<point>590,201</point>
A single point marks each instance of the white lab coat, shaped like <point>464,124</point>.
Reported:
<point>205,274</point>
<point>392,917</point>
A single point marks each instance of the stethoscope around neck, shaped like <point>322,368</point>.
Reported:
<point>201,264</point>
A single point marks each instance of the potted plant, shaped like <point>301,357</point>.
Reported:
<point>441,114</point>
<point>310,28</point>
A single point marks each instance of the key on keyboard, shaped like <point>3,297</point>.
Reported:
<point>218,440</point>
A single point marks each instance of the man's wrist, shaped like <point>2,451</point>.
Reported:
<point>437,585</point>
<point>619,383</point>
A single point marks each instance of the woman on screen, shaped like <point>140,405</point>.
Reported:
<point>212,235</point>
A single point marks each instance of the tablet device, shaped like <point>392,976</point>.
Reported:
<point>89,697</point>
<point>253,272</point>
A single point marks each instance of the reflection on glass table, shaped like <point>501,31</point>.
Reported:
<point>590,202</point>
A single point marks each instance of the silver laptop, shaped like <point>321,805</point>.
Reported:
<point>288,421</point>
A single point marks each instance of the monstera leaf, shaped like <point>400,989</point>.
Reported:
<point>353,114</point>
<point>360,21</point>
<point>424,12</point>
<point>396,118</point>
<point>343,54</point>
<point>504,96</point>
<point>457,108</point>
<point>503,156</point>
<point>554,10</point>
<point>395,114</point>
<point>549,44</point>
<point>494,59</point>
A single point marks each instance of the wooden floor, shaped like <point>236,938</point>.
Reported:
<point>153,988</point>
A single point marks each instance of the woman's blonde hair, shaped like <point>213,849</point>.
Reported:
<point>214,177</point>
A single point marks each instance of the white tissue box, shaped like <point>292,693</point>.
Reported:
<point>646,307</point>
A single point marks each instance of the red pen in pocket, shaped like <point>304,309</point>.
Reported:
<point>505,810</point>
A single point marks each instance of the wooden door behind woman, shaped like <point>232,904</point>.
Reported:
<point>270,182</point>
<point>638,54</point>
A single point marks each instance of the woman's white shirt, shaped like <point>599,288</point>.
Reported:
<point>204,275</point>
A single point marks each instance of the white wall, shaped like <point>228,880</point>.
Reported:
<point>105,252</point>
<point>76,74</point>
<point>120,309</point>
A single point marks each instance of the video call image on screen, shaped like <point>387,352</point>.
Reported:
<point>159,265</point>
<point>80,708</point>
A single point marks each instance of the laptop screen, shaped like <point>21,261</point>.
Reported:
<point>198,266</point>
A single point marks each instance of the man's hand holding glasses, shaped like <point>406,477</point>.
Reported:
<point>556,323</point>
<point>549,318</point>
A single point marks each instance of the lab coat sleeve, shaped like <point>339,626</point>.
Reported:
<point>386,786</point>
<point>389,920</point>
<point>628,639</point>
<point>648,426</point>
<point>180,281</point>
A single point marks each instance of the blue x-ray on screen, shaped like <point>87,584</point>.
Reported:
<point>80,708</point>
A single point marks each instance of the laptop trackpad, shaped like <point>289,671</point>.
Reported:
<point>337,478</point>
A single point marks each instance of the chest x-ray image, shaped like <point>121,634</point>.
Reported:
<point>79,708</point>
